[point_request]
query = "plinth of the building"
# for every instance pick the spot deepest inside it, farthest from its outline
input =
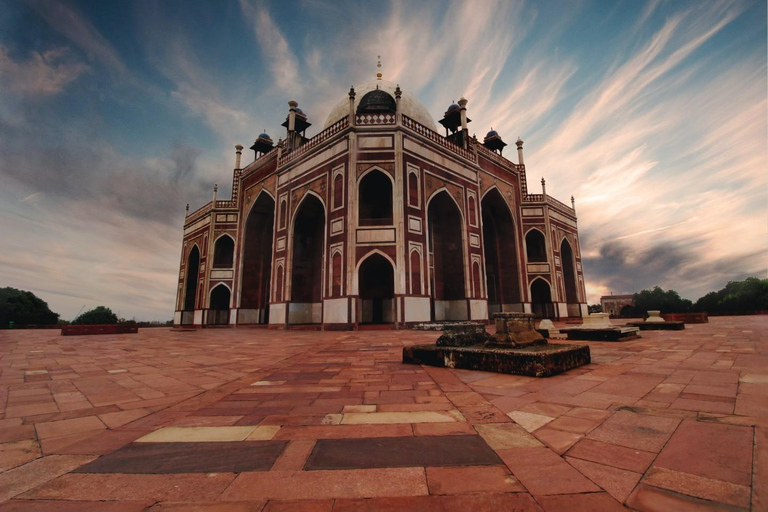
(656, 326)
(516, 348)
(601, 333)
(532, 361)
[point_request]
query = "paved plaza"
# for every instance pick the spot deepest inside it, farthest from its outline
(253, 419)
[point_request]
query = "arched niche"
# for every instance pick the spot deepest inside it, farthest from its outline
(376, 287)
(257, 261)
(218, 312)
(502, 268)
(224, 252)
(541, 299)
(536, 246)
(375, 199)
(308, 246)
(446, 247)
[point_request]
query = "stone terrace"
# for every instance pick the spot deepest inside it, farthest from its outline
(251, 420)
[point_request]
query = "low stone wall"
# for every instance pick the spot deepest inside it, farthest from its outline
(84, 330)
(688, 318)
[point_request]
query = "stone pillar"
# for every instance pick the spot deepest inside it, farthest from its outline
(519, 145)
(238, 154)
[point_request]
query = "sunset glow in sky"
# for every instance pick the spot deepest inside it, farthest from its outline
(114, 115)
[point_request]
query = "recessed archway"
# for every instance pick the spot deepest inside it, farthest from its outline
(569, 278)
(376, 286)
(541, 299)
(501, 262)
(257, 262)
(307, 262)
(536, 246)
(218, 313)
(223, 252)
(375, 200)
(446, 247)
(192, 270)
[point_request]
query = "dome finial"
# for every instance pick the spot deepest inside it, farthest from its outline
(378, 65)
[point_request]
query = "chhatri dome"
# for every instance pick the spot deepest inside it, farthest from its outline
(409, 104)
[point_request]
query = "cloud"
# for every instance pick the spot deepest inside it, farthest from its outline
(43, 74)
(71, 24)
(274, 47)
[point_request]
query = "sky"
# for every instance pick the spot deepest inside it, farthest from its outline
(114, 115)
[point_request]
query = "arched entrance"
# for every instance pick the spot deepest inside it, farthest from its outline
(541, 299)
(569, 279)
(190, 286)
(307, 262)
(218, 313)
(501, 264)
(446, 258)
(257, 262)
(376, 286)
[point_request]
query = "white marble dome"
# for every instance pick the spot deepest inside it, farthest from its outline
(409, 105)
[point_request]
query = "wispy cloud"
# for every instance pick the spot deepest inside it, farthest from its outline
(72, 25)
(274, 46)
(43, 74)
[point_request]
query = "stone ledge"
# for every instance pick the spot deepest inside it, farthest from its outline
(534, 361)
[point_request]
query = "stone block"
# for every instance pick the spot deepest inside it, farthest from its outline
(515, 330)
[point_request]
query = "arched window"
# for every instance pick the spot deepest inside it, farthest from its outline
(223, 252)
(536, 246)
(375, 199)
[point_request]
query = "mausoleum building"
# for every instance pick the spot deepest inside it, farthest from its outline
(378, 219)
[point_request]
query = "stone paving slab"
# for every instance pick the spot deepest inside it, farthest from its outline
(401, 452)
(675, 420)
(159, 458)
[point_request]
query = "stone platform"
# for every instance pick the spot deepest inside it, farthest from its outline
(658, 326)
(533, 361)
(515, 348)
(601, 333)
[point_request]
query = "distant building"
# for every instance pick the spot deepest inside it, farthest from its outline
(617, 305)
(379, 219)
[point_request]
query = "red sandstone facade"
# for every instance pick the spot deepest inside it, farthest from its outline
(379, 219)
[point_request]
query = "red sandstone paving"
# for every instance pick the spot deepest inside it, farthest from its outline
(672, 421)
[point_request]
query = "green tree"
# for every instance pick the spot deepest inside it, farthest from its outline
(737, 296)
(657, 299)
(98, 315)
(595, 308)
(23, 308)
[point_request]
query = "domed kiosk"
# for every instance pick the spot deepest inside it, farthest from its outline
(378, 219)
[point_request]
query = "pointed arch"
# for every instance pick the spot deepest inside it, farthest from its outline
(502, 261)
(307, 250)
(541, 298)
(375, 189)
(191, 274)
(376, 288)
(224, 251)
(569, 273)
(219, 301)
(447, 265)
(256, 260)
(536, 246)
